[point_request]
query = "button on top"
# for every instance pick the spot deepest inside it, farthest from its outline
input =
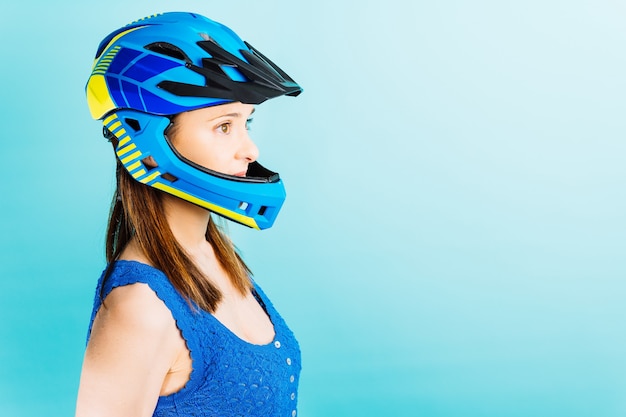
(277, 344)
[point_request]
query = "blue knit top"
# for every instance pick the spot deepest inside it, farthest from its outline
(230, 377)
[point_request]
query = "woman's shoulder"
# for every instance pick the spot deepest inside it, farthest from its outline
(132, 296)
(138, 285)
(138, 306)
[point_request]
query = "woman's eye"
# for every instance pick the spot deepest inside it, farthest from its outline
(249, 123)
(224, 128)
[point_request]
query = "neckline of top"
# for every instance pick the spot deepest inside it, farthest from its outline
(257, 295)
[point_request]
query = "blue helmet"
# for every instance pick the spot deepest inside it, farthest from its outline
(162, 65)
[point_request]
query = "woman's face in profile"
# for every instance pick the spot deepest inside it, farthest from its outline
(216, 137)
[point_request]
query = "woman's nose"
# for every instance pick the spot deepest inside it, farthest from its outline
(248, 149)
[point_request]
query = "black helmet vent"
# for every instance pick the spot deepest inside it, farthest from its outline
(168, 49)
(134, 124)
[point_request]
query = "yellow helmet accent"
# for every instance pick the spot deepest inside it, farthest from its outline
(98, 97)
(245, 220)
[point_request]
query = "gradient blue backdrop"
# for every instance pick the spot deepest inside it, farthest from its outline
(453, 239)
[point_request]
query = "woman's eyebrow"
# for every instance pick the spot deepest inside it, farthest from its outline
(232, 115)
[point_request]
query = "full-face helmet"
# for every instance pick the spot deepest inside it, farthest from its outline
(154, 68)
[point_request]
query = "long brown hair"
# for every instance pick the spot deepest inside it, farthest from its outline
(137, 212)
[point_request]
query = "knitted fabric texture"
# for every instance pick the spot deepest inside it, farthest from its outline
(230, 377)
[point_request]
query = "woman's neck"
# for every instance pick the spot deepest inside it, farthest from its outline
(188, 224)
(187, 221)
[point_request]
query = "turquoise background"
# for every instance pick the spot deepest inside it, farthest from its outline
(452, 243)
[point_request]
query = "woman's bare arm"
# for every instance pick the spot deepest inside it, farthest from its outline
(134, 342)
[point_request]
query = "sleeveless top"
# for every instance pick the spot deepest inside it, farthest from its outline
(230, 377)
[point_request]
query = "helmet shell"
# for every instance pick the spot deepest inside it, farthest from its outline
(174, 62)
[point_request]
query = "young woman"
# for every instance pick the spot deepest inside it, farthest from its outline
(178, 326)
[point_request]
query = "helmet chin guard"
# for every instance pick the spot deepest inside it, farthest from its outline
(170, 63)
(254, 200)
